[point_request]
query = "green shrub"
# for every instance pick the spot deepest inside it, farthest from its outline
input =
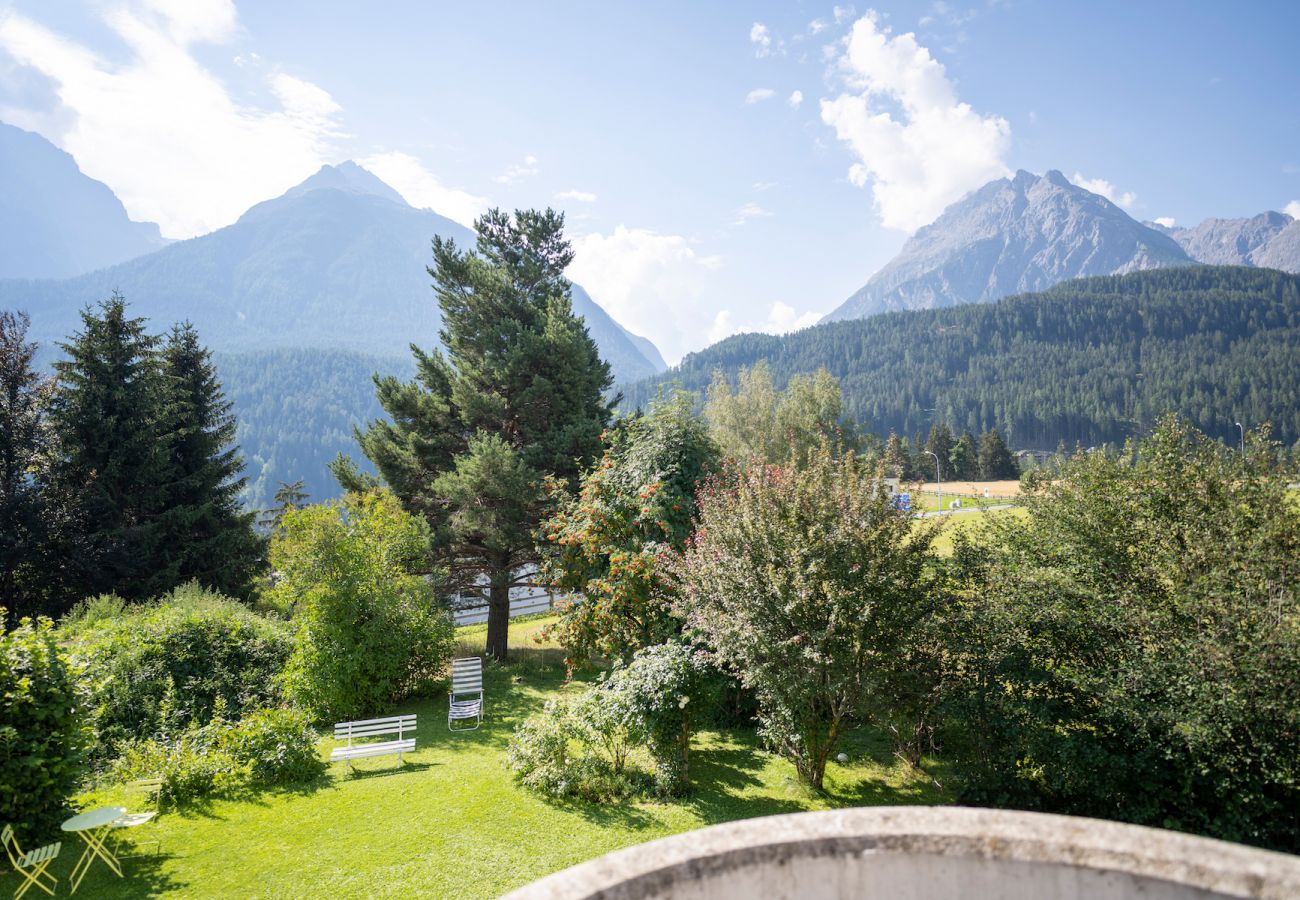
(582, 748)
(267, 748)
(205, 647)
(368, 631)
(278, 745)
(651, 698)
(43, 734)
(1132, 649)
(572, 751)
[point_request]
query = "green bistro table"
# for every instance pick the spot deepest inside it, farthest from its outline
(92, 827)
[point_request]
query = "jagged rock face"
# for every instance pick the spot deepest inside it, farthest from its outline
(1283, 251)
(1013, 235)
(1233, 242)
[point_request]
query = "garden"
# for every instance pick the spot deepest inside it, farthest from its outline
(750, 623)
(450, 821)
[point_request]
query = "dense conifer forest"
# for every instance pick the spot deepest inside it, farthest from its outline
(1089, 361)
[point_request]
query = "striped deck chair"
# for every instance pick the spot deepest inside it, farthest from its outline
(466, 693)
(31, 865)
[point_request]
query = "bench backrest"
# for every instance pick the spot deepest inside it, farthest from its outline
(467, 675)
(366, 728)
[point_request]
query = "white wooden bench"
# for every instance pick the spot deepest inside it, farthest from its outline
(369, 728)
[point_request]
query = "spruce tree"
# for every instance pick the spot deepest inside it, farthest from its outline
(25, 573)
(940, 443)
(112, 464)
(290, 495)
(996, 460)
(206, 535)
(964, 457)
(519, 395)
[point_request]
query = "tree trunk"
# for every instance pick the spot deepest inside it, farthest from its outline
(498, 630)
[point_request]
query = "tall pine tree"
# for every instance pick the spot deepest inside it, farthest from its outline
(206, 536)
(520, 394)
(106, 416)
(26, 574)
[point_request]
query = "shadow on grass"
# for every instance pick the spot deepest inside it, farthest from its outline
(393, 768)
(143, 875)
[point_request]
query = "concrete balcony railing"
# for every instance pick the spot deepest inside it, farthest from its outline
(926, 853)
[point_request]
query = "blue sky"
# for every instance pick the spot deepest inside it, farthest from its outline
(704, 194)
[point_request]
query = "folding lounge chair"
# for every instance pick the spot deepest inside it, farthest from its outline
(32, 865)
(466, 693)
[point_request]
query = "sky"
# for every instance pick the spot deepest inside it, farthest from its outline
(723, 166)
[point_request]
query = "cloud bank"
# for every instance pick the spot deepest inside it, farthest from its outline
(161, 129)
(919, 147)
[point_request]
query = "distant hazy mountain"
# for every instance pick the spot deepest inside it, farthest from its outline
(56, 222)
(302, 299)
(1269, 240)
(1013, 235)
(337, 262)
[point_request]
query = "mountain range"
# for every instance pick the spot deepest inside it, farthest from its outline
(328, 280)
(1029, 232)
(309, 293)
(1270, 240)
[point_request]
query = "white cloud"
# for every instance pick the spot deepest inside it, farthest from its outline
(796, 97)
(843, 14)
(517, 172)
(761, 38)
(781, 319)
(1124, 199)
(817, 26)
(1164, 221)
(651, 283)
(1292, 209)
(576, 196)
(421, 188)
(929, 151)
(749, 212)
(162, 130)
(758, 95)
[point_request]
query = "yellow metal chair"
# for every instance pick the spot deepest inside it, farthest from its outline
(32, 865)
(148, 789)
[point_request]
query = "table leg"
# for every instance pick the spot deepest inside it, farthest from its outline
(96, 845)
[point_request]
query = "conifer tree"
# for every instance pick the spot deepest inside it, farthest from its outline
(964, 457)
(940, 443)
(290, 495)
(25, 576)
(519, 395)
(206, 535)
(106, 416)
(996, 460)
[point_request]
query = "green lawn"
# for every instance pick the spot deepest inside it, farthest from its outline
(451, 822)
(967, 522)
(924, 501)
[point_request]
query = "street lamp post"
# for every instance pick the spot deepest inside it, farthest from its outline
(937, 480)
(1243, 438)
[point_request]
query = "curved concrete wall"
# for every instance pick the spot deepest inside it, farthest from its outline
(926, 853)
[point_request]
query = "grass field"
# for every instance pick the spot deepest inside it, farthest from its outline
(967, 522)
(451, 822)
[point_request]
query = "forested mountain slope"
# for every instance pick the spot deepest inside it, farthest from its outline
(1089, 361)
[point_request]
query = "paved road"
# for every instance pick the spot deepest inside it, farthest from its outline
(969, 509)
